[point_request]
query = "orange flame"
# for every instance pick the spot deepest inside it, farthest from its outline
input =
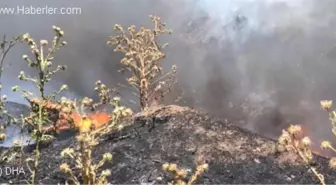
(97, 119)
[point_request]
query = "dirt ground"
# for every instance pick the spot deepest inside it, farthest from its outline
(186, 137)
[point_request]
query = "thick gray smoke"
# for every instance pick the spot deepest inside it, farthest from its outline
(262, 63)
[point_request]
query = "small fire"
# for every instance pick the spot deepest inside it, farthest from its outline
(94, 120)
(91, 121)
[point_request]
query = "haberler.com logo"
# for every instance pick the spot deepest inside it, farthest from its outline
(40, 10)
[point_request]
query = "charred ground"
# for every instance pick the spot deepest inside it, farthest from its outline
(186, 137)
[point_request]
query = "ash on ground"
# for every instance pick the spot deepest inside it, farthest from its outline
(186, 137)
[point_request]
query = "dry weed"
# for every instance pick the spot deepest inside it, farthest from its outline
(181, 176)
(142, 58)
(293, 140)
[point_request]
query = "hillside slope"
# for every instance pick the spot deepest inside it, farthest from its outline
(187, 137)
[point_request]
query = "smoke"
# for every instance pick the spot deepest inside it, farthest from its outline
(264, 64)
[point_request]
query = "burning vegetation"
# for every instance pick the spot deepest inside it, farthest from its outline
(64, 119)
(143, 57)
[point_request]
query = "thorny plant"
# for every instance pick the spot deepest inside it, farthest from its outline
(142, 58)
(42, 61)
(327, 106)
(90, 137)
(6, 118)
(181, 176)
(5, 47)
(293, 140)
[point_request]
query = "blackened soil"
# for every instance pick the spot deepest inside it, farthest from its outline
(186, 137)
